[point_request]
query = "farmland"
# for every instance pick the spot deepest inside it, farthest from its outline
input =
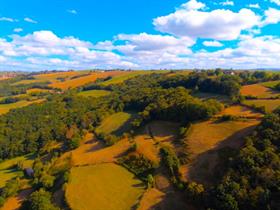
(4, 108)
(104, 186)
(259, 91)
(94, 93)
(269, 105)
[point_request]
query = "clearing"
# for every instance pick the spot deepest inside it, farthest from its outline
(104, 186)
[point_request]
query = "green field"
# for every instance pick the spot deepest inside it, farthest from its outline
(122, 78)
(270, 84)
(102, 187)
(269, 105)
(116, 123)
(94, 93)
(8, 171)
(4, 108)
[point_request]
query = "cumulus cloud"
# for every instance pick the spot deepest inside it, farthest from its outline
(193, 5)
(227, 3)
(272, 16)
(29, 20)
(256, 6)
(217, 24)
(17, 30)
(212, 44)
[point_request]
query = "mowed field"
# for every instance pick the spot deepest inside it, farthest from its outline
(94, 93)
(80, 81)
(240, 111)
(116, 123)
(8, 170)
(4, 108)
(258, 90)
(269, 104)
(103, 186)
(270, 84)
(205, 139)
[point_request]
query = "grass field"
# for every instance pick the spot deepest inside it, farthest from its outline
(7, 170)
(4, 108)
(270, 84)
(269, 105)
(94, 93)
(258, 90)
(77, 82)
(115, 123)
(128, 75)
(205, 139)
(240, 111)
(101, 187)
(207, 96)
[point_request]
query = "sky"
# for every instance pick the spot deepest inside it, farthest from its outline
(40, 35)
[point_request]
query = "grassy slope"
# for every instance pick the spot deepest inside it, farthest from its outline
(94, 93)
(115, 123)
(4, 108)
(258, 90)
(8, 172)
(270, 84)
(269, 105)
(104, 186)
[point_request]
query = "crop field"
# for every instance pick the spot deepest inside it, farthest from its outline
(8, 170)
(259, 91)
(80, 81)
(104, 186)
(37, 90)
(4, 108)
(94, 93)
(15, 202)
(115, 123)
(269, 105)
(206, 138)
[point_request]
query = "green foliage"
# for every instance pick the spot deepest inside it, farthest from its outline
(137, 164)
(41, 200)
(171, 160)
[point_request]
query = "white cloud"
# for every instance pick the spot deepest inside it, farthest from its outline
(256, 6)
(72, 11)
(17, 30)
(192, 5)
(227, 3)
(27, 19)
(217, 24)
(212, 44)
(7, 19)
(276, 2)
(272, 16)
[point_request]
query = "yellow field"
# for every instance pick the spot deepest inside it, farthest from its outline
(15, 202)
(37, 90)
(205, 139)
(269, 105)
(7, 170)
(5, 108)
(258, 90)
(73, 83)
(94, 93)
(101, 187)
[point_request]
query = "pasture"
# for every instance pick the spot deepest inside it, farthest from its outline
(269, 104)
(259, 91)
(5, 108)
(270, 84)
(94, 93)
(103, 186)
(116, 123)
(205, 139)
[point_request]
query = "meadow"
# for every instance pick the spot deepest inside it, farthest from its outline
(94, 93)
(103, 186)
(4, 108)
(259, 91)
(269, 104)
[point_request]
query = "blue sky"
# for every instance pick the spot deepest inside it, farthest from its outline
(139, 34)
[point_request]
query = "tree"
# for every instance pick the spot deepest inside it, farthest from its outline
(41, 200)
